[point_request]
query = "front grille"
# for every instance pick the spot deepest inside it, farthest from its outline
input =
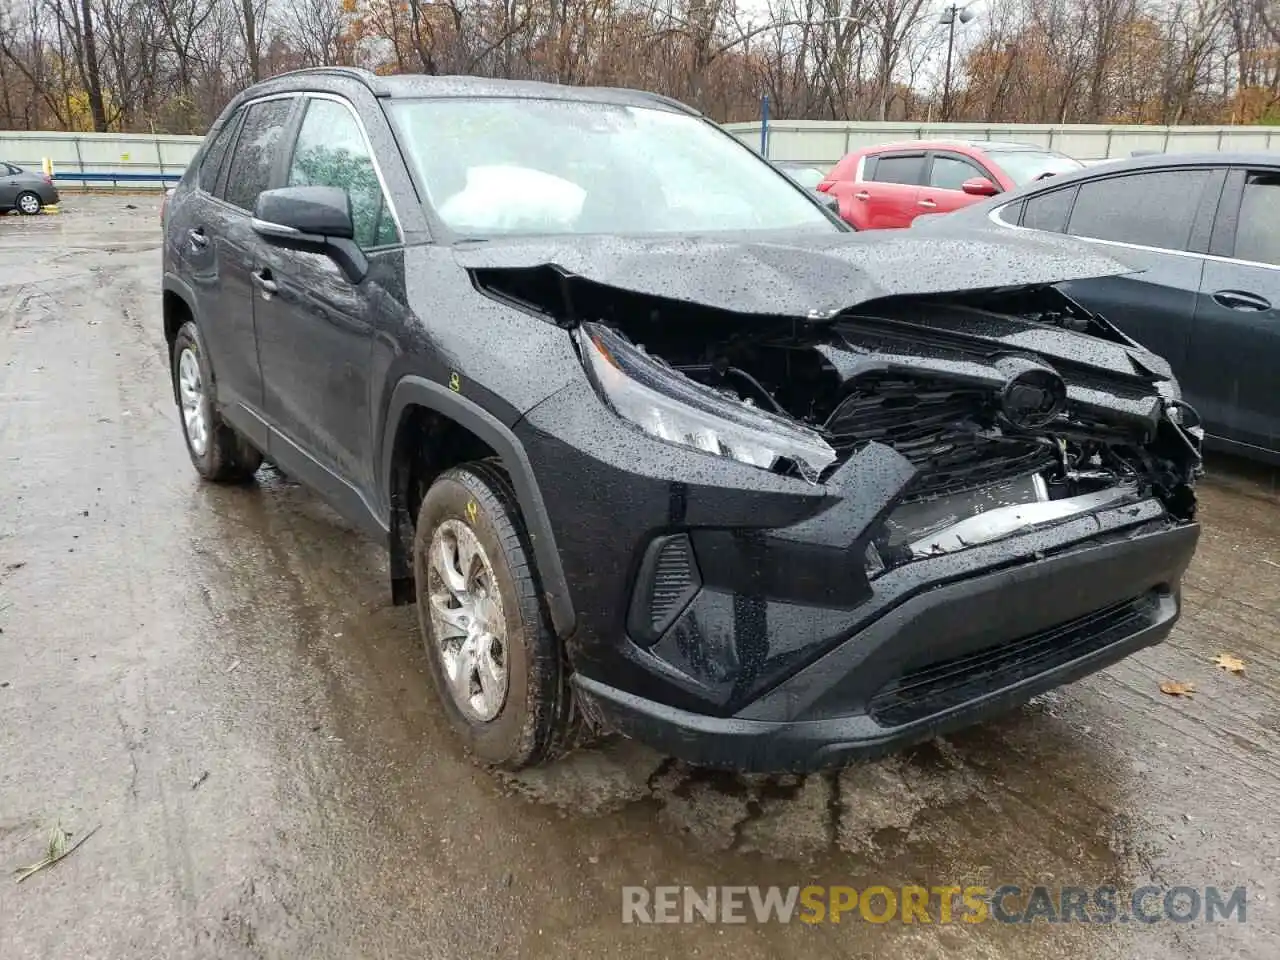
(940, 686)
(936, 426)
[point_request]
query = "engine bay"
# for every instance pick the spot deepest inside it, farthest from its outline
(979, 390)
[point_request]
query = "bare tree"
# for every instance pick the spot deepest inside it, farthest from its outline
(171, 65)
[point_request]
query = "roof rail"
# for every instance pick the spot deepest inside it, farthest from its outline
(368, 78)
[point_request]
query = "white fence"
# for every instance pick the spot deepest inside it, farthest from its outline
(814, 141)
(99, 153)
(824, 141)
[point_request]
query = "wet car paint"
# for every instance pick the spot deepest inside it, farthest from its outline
(801, 275)
(157, 629)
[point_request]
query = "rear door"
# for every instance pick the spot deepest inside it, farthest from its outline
(222, 240)
(945, 173)
(1160, 222)
(1235, 342)
(888, 190)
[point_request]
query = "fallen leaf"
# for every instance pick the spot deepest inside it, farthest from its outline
(1227, 662)
(1175, 689)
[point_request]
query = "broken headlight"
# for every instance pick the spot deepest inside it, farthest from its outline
(666, 404)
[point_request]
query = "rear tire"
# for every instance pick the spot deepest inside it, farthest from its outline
(508, 699)
(217, 451)
(28, 203)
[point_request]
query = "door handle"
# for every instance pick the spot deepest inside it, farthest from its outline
(197, 237)
(863, 195)
(1241, 300)
(262, 279)
(928, 204)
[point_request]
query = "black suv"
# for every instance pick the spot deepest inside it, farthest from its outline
(656, 444)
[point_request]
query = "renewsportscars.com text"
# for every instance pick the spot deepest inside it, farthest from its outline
(1008, 903)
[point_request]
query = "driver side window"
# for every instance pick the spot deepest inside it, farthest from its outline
(331, 152)
(950, 173)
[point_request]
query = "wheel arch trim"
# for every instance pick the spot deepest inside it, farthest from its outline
(414, 390)
(179, 288)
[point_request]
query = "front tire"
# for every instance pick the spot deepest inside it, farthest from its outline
(28, 203)
(496, 665)
(217, 451)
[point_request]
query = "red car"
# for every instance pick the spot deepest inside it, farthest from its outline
(891, 184)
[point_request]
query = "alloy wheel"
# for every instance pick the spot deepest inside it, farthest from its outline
(195, 417)
(469, 630)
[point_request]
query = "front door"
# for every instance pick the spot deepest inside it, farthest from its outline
(1235, 342)
(942, 191)
(315, 327)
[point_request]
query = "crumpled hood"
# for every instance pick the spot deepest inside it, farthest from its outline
(802, 275)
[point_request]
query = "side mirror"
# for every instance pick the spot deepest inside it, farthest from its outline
(317, 219)
(979, 187)
(831, 202)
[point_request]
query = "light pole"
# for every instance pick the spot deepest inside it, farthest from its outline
(949, 17)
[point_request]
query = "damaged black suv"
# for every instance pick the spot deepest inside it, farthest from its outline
(655, 444)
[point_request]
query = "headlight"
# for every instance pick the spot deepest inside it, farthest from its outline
(666, 404)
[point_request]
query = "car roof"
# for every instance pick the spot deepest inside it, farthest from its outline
(951, 143)
(413, 86)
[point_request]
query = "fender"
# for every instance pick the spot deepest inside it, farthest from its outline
(174, 284)
(415, 390)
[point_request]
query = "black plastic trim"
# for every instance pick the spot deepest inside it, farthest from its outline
(640, 625)
(418, 391)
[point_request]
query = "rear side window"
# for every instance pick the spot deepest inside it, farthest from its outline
(256, 150)
(1049, 211)
(1257, 236)
(895, 169)
(1151, 209)
(211, 164)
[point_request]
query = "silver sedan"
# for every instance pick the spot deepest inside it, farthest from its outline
(26, 191)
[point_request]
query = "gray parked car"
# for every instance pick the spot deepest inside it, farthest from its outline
(25, 190)
(1203, 233)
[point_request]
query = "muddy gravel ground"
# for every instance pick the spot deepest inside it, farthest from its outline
(215, 680)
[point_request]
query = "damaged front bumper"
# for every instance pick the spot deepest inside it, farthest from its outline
(735, 617)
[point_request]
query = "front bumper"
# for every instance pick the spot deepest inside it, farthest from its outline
(941, 660)
(767, 641)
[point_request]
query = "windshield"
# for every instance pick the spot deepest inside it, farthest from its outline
(518, 166)
(1025, 166)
